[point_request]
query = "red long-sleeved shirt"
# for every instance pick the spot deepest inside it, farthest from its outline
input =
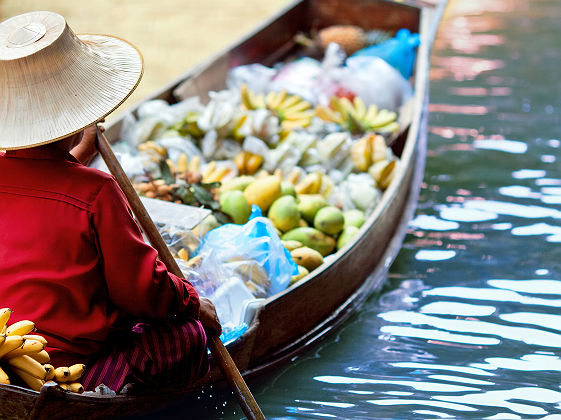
(72, 258)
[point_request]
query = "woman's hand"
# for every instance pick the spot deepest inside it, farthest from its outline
(86, 150)
(208, 317)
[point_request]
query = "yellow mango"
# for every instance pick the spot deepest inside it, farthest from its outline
(263, 191)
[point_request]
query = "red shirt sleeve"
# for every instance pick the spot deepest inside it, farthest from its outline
(137, 282)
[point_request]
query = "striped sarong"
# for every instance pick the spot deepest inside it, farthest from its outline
(155, 356)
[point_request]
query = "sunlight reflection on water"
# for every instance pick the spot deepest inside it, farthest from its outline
(466, 329)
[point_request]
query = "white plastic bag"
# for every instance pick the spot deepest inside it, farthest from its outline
(376, 82)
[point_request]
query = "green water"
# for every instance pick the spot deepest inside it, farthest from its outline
(468, 325)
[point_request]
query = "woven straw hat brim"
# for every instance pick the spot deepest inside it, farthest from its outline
(44, 99)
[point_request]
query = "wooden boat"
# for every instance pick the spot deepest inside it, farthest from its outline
(295, 319)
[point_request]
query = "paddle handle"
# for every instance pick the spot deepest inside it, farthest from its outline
(227, 365)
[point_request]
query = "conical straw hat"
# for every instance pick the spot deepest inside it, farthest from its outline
(54, 83)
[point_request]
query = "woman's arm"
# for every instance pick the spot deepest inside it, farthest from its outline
(86, 150)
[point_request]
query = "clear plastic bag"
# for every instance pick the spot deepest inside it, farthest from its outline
(256, 76)
(376, 82)
(252, 252)
(235, 267)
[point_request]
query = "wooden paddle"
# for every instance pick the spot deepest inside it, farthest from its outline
(219, 352)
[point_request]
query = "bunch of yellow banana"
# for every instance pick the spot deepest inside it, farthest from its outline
(66, 377)
(369, 149)
(248, 163)
(184, 164)
(251, 100)
(383, 172)
(315, 183)
(157, 152)
(356, 117)
(192, 171)
(24, 354)
(292, 110)
(214, 173)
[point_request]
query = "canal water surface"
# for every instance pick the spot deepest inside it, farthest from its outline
(469, 324)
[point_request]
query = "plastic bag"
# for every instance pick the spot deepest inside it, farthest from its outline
(376, 82)
(256, 76)
(398, 51)
(252, 252)
(299, 78)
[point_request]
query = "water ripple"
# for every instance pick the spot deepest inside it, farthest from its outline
(528, 363)
(438, 335)
(509, 146)
(543, 320)
(449, 406)
(417, 385)
(501, 399)
(513, 209)
(527, 335)
(434, 366)
(476, 293)
(538, 286)
(456, 308)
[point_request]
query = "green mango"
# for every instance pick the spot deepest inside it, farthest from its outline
(210, 222)
(329, 220)
(309, 204)
(234, 204)
(312, 238)
(287, 189)
(348, 233)
(354, 217)
(239, 183)
(302, 272)
(284, 213)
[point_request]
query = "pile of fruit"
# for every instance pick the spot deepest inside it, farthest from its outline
(23, 358)
(315, 171)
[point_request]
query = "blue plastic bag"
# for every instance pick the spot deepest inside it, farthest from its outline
(398, 51)
(230, 247)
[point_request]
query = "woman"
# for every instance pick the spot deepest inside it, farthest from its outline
(72, 258)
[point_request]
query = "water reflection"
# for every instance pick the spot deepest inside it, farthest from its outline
(538, 286)
(490, 294)
(527, 335)
(502, 399)
(509, 146)
(458, 309)
(527, 362)
(470, 326)
(419, 386)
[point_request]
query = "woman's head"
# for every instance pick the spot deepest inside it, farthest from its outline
(54, 83)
